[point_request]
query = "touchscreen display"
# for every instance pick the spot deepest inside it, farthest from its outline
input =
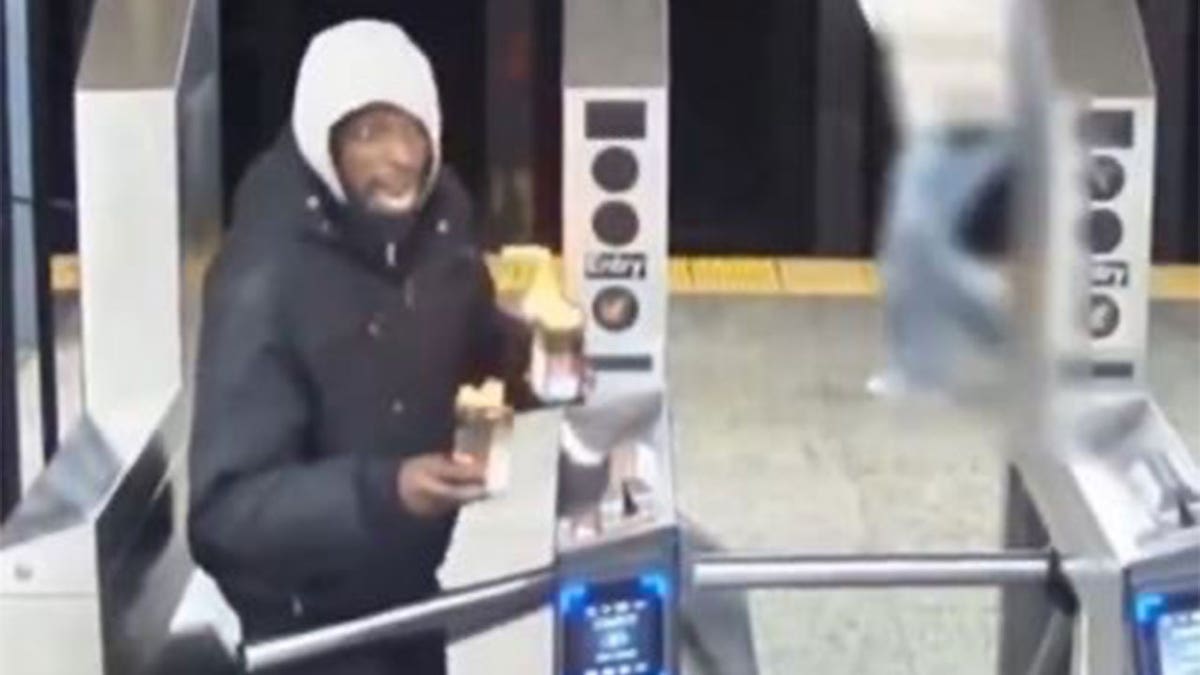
(1169, 633)
(615, 628)
(1179, 642)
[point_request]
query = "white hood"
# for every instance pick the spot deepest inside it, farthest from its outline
(349, 67)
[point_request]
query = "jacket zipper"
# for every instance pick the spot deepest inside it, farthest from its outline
(410, 294)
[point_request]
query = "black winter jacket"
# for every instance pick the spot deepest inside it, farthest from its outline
(326, 362)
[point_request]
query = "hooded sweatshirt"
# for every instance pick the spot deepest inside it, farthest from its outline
(346, 69)
(331, 353)
(350, 67)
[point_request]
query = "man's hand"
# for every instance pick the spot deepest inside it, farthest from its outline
(435, 485)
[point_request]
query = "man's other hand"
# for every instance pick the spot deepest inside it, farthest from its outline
(435, 485)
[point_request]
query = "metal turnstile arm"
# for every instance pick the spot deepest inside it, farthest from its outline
(870, 571)
(508, 597)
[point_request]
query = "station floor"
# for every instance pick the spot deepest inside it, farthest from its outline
(780, 448)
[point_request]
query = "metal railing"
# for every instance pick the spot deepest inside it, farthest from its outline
(508, 597)
(512, 596)
(870, 571)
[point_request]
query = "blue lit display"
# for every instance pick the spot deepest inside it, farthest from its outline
(615, 628)
(1168, 632)
(657, 583)
(1148, 606)
(571, 596)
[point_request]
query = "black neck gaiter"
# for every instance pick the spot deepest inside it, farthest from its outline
(391, 241)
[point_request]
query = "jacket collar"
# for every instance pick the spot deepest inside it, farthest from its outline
(387, 245)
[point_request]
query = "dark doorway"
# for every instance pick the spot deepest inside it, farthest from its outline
(57, 33)
(547, 114)
(741, 109)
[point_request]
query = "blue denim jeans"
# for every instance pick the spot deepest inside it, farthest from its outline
(940, 297)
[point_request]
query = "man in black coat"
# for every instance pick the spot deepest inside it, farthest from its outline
(348, 305)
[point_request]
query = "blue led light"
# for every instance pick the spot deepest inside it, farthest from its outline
(570, 596)
(657, 583)
(1148, 606)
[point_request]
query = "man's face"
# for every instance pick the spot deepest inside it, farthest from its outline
(382, 155)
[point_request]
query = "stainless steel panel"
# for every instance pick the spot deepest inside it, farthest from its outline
(1099, 55)
(135, 44)
(107, 529)
(615, 43)
(198, 100)
(132, 349)
(717, 631)
(1025, 612)
(615, 100)
(1053, 655)
(69, 492)
(147, 132)
(632, 356)
(16, 61)
(1099, 48)
(1101, 468)
(10, 455)
(93, 531)
(143, 563)
(24, 298)
(615, 472)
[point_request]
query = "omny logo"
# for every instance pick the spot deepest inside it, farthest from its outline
(1110, 274)
(615, 266)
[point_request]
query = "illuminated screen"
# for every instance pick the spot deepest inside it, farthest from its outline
(1179, 643)
(1169, 632)
(615, 628)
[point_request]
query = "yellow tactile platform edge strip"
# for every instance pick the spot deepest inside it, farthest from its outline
(1175, 282)
(804, 277)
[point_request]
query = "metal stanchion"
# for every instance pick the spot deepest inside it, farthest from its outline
(1054, 653)
(1025, 612)
(717, 632)
(10, 455)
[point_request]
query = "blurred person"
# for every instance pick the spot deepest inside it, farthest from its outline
(348, 305)
(950, 68)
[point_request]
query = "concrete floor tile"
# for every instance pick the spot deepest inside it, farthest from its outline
(851, 633)
(950, 640)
